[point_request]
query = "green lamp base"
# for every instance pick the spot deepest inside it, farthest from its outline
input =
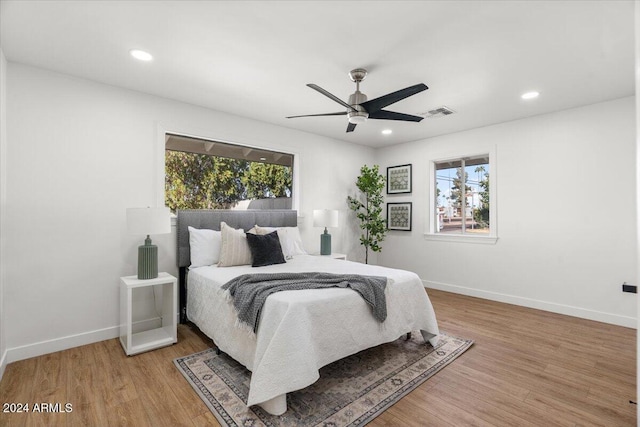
(325, 243)
(147, 260)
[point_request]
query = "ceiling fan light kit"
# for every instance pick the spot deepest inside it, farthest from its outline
(358, 118)
(359, 109)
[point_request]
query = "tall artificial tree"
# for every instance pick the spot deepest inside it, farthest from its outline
(368, 208)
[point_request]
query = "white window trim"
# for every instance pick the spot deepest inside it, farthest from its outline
(461, 238)
(430, 225)
(162, 130)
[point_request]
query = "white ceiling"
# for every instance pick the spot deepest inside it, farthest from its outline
(254, 59)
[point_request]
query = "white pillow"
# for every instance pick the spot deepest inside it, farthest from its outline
(290, 239)
(235, 249)
(204, 246)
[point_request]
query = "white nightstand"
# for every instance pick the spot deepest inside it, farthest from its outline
(167, 333)
(334, 255)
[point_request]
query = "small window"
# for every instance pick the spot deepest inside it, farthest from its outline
(462, 201)
(203, 174)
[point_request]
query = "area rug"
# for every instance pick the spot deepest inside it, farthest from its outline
(350, 392)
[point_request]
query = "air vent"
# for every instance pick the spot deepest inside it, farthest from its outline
(437, 113)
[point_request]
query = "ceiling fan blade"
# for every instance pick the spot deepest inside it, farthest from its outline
(351, 127)
(381, 102)
(331, 96)
(392, 115)
(341, 113)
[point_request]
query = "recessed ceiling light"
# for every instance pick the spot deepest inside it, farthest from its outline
(530, 95)
(141, 55)
(387, 132)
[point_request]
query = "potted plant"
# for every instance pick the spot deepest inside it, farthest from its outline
(368, 208)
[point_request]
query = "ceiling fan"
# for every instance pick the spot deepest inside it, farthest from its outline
(359, 109)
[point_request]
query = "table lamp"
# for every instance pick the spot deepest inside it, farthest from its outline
(325, 218)
(148, 221)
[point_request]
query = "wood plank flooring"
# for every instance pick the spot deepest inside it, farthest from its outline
(526, 368)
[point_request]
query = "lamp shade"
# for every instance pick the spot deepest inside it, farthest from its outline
(148, 221)
(325, 218)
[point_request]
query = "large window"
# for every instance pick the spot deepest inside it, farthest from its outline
(462, 204)
(203, 174)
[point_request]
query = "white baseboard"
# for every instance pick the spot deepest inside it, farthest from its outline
(145, 325)
(64, 343)
(59, 344)
(3, 364)
(599, 316)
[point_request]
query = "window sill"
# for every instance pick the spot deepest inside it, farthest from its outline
(462, 238)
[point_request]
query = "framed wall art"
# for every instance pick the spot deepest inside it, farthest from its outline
(399, 216)
(399, 179)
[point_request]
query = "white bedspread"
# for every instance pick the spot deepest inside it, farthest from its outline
(301, 331)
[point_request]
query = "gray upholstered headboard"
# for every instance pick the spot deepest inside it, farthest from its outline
(211, 219)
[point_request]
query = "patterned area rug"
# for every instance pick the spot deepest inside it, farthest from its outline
(350, 392)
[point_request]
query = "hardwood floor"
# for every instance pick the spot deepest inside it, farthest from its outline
(526, 368)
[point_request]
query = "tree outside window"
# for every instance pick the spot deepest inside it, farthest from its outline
(462, 196)
(195, 179)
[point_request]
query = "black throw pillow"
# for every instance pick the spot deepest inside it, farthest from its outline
(265, 249)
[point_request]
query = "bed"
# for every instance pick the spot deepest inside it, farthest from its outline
(300, 331)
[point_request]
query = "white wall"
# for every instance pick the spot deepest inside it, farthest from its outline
(81, 153)
(566, 214)
(3, 183)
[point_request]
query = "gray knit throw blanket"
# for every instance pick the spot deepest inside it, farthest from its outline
(250, 291)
